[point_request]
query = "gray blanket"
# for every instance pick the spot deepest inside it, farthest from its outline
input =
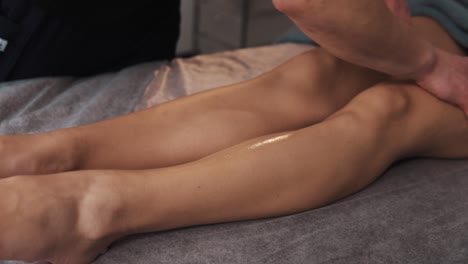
(416, 213)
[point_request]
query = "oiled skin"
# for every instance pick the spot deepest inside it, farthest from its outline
(281, 163)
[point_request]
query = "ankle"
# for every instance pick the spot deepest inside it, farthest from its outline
(121, 203)
(115, 205)
(101, 206)
(61, 152)
(34, 154)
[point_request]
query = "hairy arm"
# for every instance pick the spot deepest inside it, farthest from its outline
(377, 34)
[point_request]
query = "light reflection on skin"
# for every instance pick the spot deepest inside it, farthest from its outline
(269, 141)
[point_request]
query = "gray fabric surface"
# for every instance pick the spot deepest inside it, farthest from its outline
(51, 103)
(416, 213)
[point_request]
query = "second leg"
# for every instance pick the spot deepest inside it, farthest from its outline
(301, 92)
(269, 176)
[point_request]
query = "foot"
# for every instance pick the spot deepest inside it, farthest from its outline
(35, 154)
(448, 79)
(44, 219)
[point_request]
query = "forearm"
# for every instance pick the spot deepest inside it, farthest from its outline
(364, 32)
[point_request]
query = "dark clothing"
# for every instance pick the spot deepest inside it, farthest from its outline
(84, 37)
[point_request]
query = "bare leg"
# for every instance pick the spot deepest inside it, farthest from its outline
(290, 167)
(295, 171)
(379, 40)
(269, 176)
(303, 91)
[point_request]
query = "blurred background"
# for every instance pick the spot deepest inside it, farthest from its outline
(216, 25)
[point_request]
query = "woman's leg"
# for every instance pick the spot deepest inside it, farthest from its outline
(270, 176)
(292, 171)
(70, 218)
(301, 92)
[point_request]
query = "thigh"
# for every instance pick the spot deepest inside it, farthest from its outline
(435, 33)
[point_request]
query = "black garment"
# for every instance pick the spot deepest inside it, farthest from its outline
(84, 37)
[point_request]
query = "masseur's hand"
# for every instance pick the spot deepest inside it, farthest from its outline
(41, 220)
(448, 79)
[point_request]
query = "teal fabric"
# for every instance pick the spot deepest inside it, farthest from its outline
(452, 14)
(295, 35)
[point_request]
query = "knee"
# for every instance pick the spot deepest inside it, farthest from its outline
(304, 86)
(381, 105)
(375, 114)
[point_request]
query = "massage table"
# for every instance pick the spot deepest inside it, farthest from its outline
(417, 212)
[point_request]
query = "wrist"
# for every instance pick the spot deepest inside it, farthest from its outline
(54, 152)
(429, 63)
